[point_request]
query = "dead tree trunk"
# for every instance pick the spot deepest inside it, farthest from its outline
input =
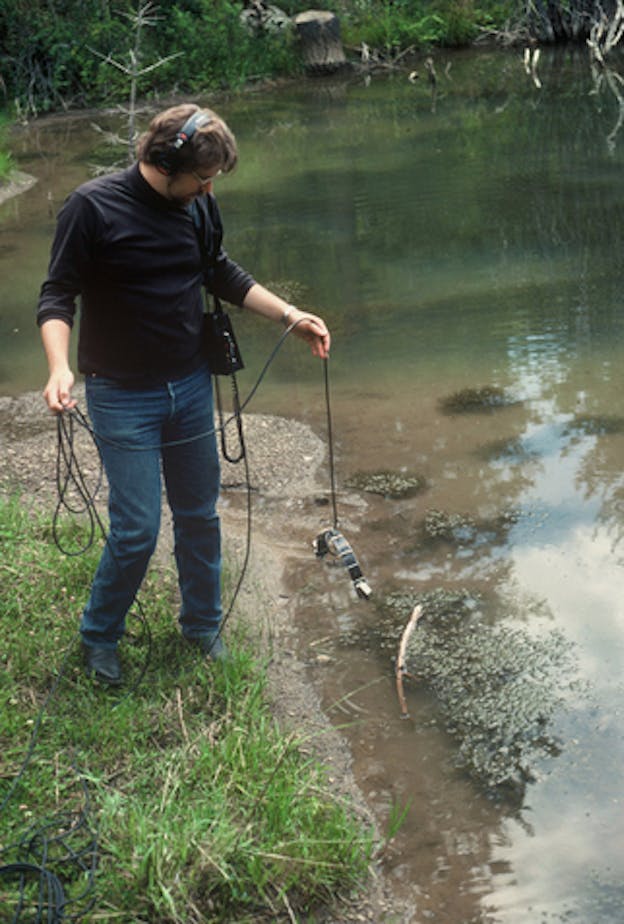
(321, 45)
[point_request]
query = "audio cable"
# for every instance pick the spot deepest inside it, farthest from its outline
(32, 856)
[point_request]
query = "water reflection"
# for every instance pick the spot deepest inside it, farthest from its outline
(477, 246)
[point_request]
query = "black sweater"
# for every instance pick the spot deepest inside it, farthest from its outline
(134, 258)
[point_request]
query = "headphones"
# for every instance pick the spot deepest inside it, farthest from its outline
(168, 160)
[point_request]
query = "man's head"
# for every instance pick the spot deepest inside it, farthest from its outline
(187, 144)
(210, 146)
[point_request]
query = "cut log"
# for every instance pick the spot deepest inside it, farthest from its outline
(321, 46)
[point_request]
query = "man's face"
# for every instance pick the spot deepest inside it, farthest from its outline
(182, 188)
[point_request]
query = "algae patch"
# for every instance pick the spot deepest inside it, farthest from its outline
(439, 524)
(477, 400)
(462, 529)
(498, 687)
(389, 484)
(595, 425)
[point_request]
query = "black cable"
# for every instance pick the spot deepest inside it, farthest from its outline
(237, 415)
(51, 842)
(243, 571)
(330, 439)
(192, 439)
(68, 474)
(74, 476)
(332, 540)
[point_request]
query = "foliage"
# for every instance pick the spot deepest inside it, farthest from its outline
(204, 808)
(392, 25)
(7, 164)
(218, 51)
(44, 68)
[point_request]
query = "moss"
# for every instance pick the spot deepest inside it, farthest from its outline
(452, 526)
(388, 483)
(595, 425)
(506, 450)
(497, 687)
(477, 400)
(464, 529)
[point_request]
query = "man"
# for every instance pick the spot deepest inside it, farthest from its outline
(128, 245)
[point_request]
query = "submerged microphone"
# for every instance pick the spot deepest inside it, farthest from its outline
(330, 540)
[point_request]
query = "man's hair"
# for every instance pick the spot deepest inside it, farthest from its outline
(212, 145)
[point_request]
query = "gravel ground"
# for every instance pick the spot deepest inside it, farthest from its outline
(284, 459)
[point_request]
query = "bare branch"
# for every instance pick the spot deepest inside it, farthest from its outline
(159, 63)
(400, 663)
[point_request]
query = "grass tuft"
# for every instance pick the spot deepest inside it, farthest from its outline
(178, 798)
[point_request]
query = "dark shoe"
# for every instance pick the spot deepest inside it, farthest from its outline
(102, 664)
(211, 645)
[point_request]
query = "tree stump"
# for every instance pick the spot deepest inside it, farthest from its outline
(321, 45)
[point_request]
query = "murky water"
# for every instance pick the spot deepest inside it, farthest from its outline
(465, 242)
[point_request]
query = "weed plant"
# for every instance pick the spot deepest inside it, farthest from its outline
(177, 798)
(7, 163)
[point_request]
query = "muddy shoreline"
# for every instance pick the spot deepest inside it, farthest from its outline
(284, 459)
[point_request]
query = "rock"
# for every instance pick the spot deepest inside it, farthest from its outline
(265, 17)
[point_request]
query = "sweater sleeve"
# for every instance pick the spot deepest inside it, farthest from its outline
(70, 259)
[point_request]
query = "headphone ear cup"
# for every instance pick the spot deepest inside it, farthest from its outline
(164, 163)
(167, 161)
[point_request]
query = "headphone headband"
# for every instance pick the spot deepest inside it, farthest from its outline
(169, 160)
(197, 120)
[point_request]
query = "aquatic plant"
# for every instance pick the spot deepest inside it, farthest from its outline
(452, 526)
(508, 450)
(477, 400)
(387, 483)
(461, 528)
(595, 425)
(497, 687)
(7, 165)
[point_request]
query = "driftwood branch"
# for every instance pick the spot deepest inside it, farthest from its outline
(531, 58)
(606, 32)
(372, 59)
(401, 673)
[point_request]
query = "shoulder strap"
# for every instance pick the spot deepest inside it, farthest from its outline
(198, 223)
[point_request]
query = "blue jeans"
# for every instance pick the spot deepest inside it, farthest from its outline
(141, 433)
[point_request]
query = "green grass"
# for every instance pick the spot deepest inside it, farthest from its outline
(7, 163)
(7, 166)
(201, 807)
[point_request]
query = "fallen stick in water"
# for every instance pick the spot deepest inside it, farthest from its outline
(400, 663)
